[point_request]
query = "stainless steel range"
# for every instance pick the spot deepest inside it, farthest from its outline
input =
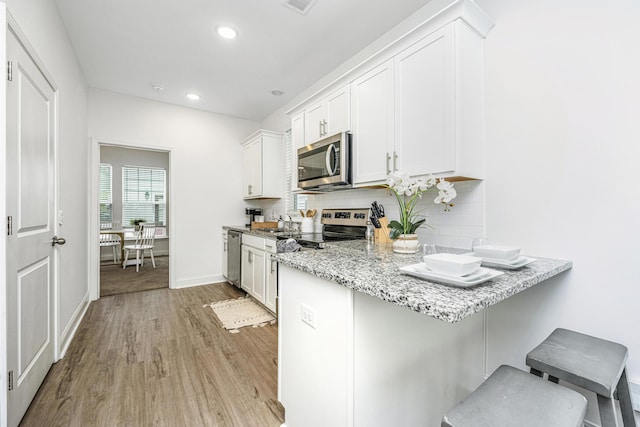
(338, 224)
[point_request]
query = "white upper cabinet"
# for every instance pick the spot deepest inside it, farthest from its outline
(416, 105)
(424, 106)
(262, 166)
(372, 119)
(328, 116)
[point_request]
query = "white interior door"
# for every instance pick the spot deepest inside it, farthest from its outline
(30, 203)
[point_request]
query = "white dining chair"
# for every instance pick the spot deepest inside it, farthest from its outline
(144, 241)
(110, 240)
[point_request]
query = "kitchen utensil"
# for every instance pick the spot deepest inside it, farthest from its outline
(381, 210)
(375, 222)
(313, 212)
(309, 213)
(375, 210)
(301, 213)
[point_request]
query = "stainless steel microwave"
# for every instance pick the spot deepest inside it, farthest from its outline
(326, 164)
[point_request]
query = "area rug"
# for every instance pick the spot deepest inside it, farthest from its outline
(240, 312)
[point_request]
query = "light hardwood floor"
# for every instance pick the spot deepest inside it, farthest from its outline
(159, 358)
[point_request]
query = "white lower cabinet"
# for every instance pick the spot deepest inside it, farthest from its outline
(259, 277)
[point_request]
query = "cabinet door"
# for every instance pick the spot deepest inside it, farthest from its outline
(271, 291)
(372, 124)
(338, 117)
(259, 277)
(424, 104)
(252, 169)
(297, 141)
(256, 168)
(247, 172)
(314, 122)
(246, 275)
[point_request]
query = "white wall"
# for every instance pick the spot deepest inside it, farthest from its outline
(562, 94)
(40, 22)
(206, 165)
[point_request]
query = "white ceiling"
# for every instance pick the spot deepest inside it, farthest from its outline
(126, 45)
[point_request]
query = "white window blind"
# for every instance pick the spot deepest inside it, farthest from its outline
(106, 193)
(288, 161)
(294, 202)
(144, 195)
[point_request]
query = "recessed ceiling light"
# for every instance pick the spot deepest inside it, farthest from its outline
(277, 92)
(193, 96)
(157, 87)
(227, 32)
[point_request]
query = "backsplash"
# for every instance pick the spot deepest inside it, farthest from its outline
(455, 228)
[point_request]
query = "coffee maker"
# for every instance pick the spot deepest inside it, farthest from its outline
(251, 215)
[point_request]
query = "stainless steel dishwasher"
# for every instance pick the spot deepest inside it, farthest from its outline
(234, 257)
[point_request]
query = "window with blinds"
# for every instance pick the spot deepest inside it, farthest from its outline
(144, 195)
(293, 201)
(106, 193)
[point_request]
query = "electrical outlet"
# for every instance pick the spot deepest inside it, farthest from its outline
(308, 315)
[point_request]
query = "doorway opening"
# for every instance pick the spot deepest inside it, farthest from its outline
(133, 199)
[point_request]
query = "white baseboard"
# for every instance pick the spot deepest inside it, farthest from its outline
(70, 330)
(198, 281)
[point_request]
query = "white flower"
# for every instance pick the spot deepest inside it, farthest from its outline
(446, 192)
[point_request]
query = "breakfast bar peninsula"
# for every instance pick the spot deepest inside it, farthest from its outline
(362, 344)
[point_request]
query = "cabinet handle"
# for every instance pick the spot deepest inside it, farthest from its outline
(320, 128)
(395, 161)
(324, 127)
(250, 257)
(273, 269)
(388, 159)
(249, 189)
(225, 246)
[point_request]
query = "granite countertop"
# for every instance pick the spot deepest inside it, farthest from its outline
(256, 232)
(376, 272)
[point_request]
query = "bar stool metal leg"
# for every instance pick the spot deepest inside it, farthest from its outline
(624, 396)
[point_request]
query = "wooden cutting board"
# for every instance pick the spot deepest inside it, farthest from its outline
(259, 225)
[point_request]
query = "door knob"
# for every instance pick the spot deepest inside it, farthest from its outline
(58, 241)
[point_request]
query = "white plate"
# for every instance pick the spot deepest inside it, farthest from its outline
(480, 276)
(513, 264)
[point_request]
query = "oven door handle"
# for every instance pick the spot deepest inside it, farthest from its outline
(331, 171)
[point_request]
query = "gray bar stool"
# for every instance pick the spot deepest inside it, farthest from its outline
(591, 363)
(511, 397)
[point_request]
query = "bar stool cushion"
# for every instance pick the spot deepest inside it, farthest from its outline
(591, 363)
(511, 397)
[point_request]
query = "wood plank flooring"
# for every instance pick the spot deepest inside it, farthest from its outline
(158, 358)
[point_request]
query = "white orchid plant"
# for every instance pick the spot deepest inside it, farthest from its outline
(408, 191)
